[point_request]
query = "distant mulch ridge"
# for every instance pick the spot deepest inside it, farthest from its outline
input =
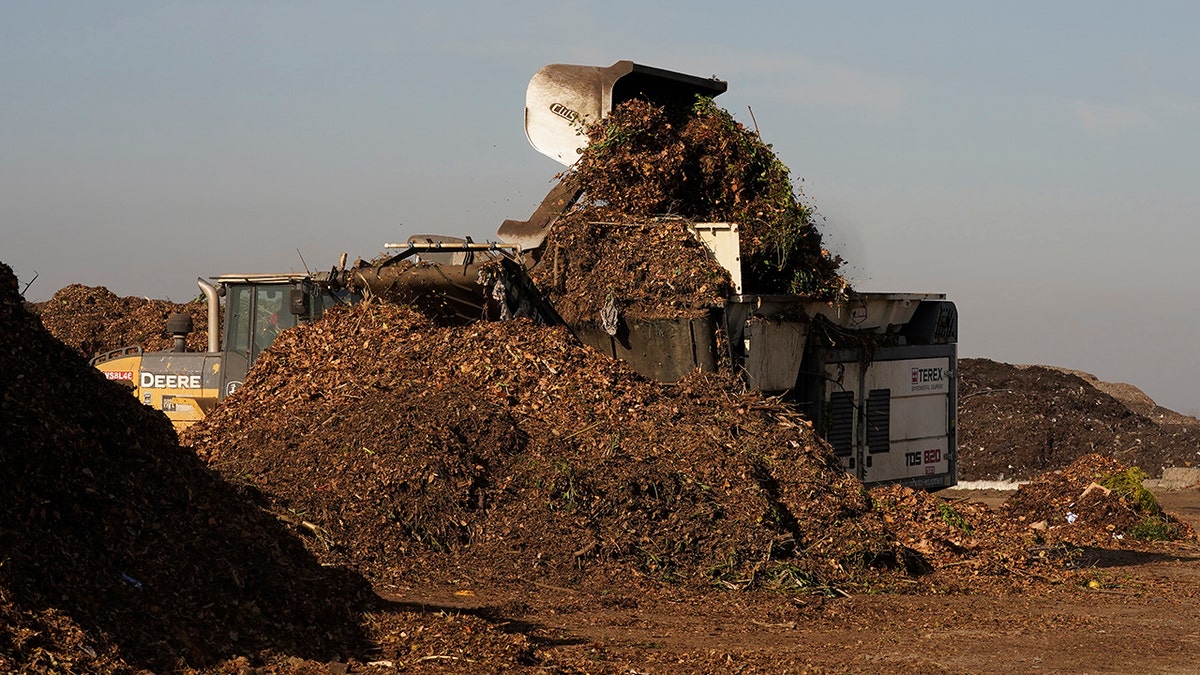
(92, 320)
(1131, 396)
(1016, 422)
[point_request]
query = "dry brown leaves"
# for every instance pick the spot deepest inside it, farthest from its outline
(1074, 505)
(969, 547)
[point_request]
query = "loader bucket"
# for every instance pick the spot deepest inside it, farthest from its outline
(561, 99)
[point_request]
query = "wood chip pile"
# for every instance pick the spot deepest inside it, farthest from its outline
(969, 546)
(519, 452)
(93, 319)
(647, 173)
(1016, 422)
(1094, 501)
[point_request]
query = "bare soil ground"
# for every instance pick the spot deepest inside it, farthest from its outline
(1144, 617)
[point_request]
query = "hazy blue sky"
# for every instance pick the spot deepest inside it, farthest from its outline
(1037, 161)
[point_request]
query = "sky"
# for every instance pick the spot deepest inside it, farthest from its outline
(1035, 161)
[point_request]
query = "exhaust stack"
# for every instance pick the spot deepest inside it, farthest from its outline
(214, 316)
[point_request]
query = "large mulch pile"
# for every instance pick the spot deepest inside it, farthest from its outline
(513, 451)
(92, 320)
(1016, 422)
(648, 172)
(123, 552)
(506, 452)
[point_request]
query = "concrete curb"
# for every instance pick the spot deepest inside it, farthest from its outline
(1175, 478)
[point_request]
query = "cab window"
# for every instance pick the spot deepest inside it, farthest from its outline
(238, 337)
(271, 315)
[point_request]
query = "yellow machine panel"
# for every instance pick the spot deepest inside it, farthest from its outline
(183, 385)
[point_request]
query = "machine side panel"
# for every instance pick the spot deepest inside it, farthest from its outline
(918, 382)
(184, 385)
(839, 413)
(773, 353)
(904, 413)
(122, 369)
(664, 349)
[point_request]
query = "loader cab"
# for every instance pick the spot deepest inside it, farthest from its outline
(257, 309)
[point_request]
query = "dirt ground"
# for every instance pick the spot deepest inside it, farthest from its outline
(1144, 618)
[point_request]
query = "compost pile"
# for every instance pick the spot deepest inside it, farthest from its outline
(647, 174)
(1016, 422)
(508, 451)
(124, 553)
(93, 320)
(1094, 501)
(969, 546)
(1035, 536)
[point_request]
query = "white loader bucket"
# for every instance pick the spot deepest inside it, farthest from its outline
(561, 99)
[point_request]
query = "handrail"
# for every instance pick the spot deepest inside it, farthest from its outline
(132, 350)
